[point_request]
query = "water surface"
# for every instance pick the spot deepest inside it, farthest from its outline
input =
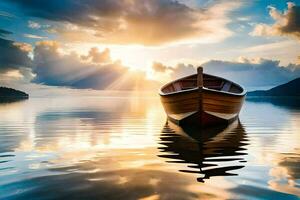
(121, 147)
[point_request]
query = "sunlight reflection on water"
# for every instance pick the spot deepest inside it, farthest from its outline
(121, 147)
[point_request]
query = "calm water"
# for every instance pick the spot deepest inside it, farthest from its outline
(122, 148)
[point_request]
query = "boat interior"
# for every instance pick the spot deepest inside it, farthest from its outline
(210, 82)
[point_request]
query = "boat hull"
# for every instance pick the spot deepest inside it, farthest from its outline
(202, 107)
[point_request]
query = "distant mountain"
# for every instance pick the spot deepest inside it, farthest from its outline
(291, 88)
(9, 94)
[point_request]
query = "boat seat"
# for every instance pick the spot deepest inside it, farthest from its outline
(226, 87)
(188, 88)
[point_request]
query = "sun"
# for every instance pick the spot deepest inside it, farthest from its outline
(134, 57)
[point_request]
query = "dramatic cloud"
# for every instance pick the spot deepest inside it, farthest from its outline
(51, 65)
(13, 54)
(14, 60)
(250, 73)
(95, 70)
(134, 21)
(287, 23)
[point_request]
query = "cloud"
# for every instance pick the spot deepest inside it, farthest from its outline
(34, 36)
(96, 56)
(13, 55)
(180, 70)
(286, 23)
(34, 25)
(51, 65)
(95, 70)
(159, 67)
(6, 15)
(254, 72)
(4, 33)
(248, 72)
(14, 61)
(143, 22)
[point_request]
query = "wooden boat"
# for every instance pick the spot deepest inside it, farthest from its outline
(202, 100)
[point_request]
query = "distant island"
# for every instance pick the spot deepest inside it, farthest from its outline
(10, 95)
(291, 88)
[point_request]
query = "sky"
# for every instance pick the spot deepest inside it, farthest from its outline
(142, 44)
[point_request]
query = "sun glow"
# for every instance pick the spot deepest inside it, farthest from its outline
(138, 59)
(132, 56)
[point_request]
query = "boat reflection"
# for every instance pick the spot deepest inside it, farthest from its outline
(208, 152)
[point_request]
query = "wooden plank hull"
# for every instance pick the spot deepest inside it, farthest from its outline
(204, 108)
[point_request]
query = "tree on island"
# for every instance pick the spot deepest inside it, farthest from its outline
(9, 94)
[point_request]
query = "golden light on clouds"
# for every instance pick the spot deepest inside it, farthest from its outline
(23, 46)
(286, 23)
(151, 23)
(14, 74)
